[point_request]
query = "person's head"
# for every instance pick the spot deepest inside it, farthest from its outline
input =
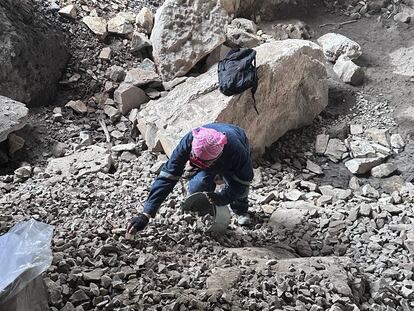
(207, 146)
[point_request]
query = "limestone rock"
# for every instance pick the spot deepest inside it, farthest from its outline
(184, 32)
(397, 141)
(402, 17)
(128, 97)
(237, 37)
(335, 150)
(14, 143)
(383, 170)
(139, 41)
(90, 160)
(362, 149)
(334, 45)
(120, 25)
(78, 106)
(13, 116)
(145, 20)
(286, 218)
(313, 167)
(139, 77)
(245, 24)
(97, 25)
(348, 72)
(33, 55)
(23, 172)
(105, 53)
(293, 100)
(116, 73)
(68, 11)
(321, 143)
(381, 136)
(364, 165)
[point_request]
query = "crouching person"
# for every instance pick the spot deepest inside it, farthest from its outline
(211, 150)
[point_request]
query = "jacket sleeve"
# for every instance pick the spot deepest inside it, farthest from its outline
(237, 185)
(169, 176)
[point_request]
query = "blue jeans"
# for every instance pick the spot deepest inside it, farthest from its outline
(203, 181)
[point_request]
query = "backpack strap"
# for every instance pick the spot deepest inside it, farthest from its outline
(254, 88)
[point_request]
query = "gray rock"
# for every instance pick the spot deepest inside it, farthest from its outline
(321, 143)
(364, 165)
(381, 136)
(383, 170)
(78, 297)
(286, 218)
(68, 11)
(13, 116)
(139, 41)
(335, 150)
(397, 142)
(116, 73)
(362, 149)
(139, 77)
(313, 167)
(93, 276)
(349, 72)
(402, 17)
(145, 20)
(98, 25)
(77, 106)
(121, 24)
(335, 45)
(128, 97)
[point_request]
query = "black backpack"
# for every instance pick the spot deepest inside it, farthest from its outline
(237, 72)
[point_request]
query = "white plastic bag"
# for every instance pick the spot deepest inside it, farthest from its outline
(24, 254)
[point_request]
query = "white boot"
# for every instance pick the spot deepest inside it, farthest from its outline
(244, 219)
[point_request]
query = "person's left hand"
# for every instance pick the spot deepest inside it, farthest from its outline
(137, 223)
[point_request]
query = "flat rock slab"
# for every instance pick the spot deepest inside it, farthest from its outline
(13, 116)
(90, 160)
(292, 91)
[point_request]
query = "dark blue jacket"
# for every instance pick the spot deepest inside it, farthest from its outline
(234, 164)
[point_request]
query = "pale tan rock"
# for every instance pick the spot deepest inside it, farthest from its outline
(13, 116)
(381, 136)
(383, 170)
(334, 45)
(77, 106)
(128, 97)
(363, 166)
(321, 143)
(184, 32)
(68, 11)
(145, 20)
(97, 25)
(397, 141)
(349, 72)
(139, 41)
(120, 24)
(105, 53)
(237, 37)
(139, 77)
(231, 6)
(335, 150)
(285, 99)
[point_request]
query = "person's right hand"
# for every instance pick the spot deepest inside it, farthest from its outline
(137, 223)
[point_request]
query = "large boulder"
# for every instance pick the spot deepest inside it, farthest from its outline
(184, 32)
(32, 54)
(292, 91)
(13, 116)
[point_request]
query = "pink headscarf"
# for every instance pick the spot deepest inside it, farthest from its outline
(207, 143)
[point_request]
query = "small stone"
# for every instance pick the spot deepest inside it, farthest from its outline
(397, 142)
(105, 53)
(363, 165)
(97, 25)
(354, 183)
(139, 77)
(129, 97)
(293, 195)
(113, 113)
(139, 41)
(93, 276)
(23, 172)
(321, 143)
(335, 150)
(369, 191)
(59, 149)
(402, 17)
(68, 11)
(381, 136)
(120, 25)
(383, 170)
(356, 129)
(14, 143)
(324, 200)
(313, 167)
(145, 20)
(349, 72)
(124, 147)
(86, 139)
(116, 73)
(77, 106)
(365, 210)
(78, 296)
